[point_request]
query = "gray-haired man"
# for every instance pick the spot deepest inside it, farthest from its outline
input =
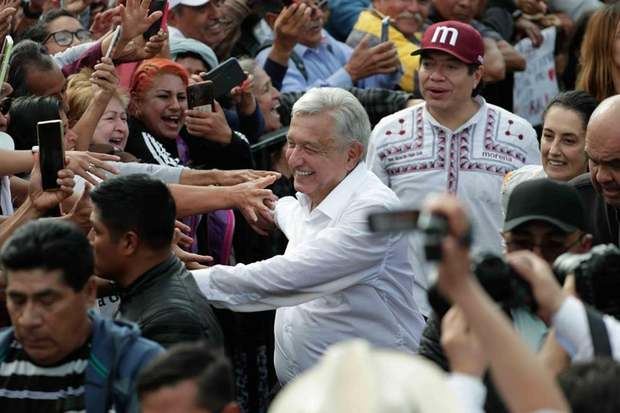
(336, 280)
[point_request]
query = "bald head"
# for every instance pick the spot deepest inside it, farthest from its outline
(603, 149)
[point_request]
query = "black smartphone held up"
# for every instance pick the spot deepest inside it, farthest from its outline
(394, 221)
(156, 5)
(385, 29)
(51, 152)
(200, 96)
(225, 77)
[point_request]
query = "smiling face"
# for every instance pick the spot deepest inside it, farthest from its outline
(268, 99)
(562, 144)
(112, 127)
(162, 107)
(202, 23)
(445, 81)
(311, 35)
(407, 15)
(49, 317)
(318, 161)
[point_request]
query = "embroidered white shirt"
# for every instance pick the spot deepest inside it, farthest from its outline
(335, 281)
(415, 155)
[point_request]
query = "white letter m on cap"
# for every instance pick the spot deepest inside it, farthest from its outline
(442, 33)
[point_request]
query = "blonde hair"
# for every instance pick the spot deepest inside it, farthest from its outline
(80, 93)
(595, 76)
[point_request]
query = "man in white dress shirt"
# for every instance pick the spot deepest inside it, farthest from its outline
(336, 279)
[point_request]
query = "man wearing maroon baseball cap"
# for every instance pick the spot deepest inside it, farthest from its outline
(453, 142)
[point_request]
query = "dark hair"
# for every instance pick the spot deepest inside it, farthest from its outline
(261, 8)
(51, 245)
(183, 55)
(38, 32)
(471, 69)
(191, 361)
(576, 100)
(24, 114)
(27, 54)
(592, 386)
(137, 203)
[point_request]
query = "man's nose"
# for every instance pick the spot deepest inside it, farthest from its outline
(30, 317)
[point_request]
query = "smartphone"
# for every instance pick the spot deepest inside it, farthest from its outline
(7, 49)
(115, 36)
(200, 96)
(385, 29)
(394, 221)
(225, 77)
(156, 5)
(51, 152)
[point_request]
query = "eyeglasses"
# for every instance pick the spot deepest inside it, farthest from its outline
(550, 249)
(65, 37)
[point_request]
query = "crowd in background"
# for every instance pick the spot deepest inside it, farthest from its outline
(226, 259)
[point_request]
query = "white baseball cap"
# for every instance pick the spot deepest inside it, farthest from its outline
(192, 3)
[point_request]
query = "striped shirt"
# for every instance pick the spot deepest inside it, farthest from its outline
(27, 387)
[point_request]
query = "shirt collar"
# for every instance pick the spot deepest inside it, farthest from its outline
(339, 197)
(465, 125)
(301, 49)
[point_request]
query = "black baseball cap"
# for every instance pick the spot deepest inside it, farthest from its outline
(545, 200)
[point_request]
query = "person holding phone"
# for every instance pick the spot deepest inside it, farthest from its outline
(320, 60)
(406, 22)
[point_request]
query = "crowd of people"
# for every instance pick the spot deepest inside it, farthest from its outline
(360, 223)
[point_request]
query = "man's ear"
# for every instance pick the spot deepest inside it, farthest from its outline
(354, 154)
(90, 290)
(128, 243)
(270, 18)
(586, 243)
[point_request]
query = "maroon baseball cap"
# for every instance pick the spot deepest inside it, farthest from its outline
(456, 38)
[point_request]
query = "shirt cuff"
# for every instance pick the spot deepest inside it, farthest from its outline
(469, 390)
(572, 330)
(340, 78)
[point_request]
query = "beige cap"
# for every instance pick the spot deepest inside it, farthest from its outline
(353, 377)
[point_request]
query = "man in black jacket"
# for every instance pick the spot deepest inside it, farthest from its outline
(600, 189)
(133, 226)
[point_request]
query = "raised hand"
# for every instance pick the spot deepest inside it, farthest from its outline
(239, 176)
(42, 200)
(461, 345)
(105, 21)
(251, 198)
(367, 61)
(104, 78)
(209, 125)
(87, 164)
(287, 29)
(135, 18)
(81, 210)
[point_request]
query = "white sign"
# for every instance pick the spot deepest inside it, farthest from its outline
(538, 84)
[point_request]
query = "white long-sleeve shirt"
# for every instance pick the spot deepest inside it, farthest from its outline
(573, 331)
(335, 281)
